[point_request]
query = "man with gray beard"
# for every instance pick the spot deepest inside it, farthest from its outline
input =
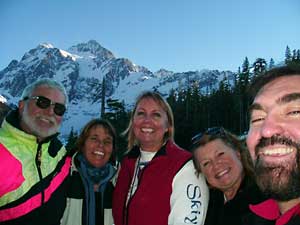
(33, 163)
(274, 144)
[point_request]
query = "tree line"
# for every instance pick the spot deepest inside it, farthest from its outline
(195, 111)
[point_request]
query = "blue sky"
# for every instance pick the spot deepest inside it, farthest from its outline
(178, 35)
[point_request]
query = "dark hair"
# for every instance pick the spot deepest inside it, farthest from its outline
(94, 123)
(229, 139)
(155, 96)
(260, 81)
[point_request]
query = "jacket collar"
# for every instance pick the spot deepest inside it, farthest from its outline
(13, 118)
(135, 151)
(269, 210)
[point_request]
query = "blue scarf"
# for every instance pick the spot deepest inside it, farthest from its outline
(91, 176)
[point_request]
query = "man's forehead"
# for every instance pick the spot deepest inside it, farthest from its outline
(286, 98)
(281, 85)
(46, 89)
(282, 90)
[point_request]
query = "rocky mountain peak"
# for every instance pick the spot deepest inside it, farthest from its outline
(82, 69)
(92, 47)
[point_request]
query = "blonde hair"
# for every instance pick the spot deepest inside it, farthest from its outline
(132, 141)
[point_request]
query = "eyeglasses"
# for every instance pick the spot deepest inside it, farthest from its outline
(212, 131)
(44, 103)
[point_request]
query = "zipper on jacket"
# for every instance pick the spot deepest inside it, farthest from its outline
(127, 206)
(38, 160)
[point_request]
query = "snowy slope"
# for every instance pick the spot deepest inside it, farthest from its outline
(81, 69)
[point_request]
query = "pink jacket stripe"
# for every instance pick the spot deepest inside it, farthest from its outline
(35, 201)
(10, 176)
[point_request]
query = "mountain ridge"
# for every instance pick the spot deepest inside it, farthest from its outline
(82, 68)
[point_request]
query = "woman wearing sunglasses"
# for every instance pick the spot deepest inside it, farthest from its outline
(157, 184)
(92, 172)
(228, 170)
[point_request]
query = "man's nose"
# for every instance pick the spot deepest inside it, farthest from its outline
(50, 110)
(271, 126)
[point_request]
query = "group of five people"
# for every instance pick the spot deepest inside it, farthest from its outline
(218, 181)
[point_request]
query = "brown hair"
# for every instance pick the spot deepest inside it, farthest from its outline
(260, 81)
(94, 123)
(231, 141)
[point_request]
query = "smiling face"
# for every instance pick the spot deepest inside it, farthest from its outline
(273, 138)
(37, 121)
(150, 123)
(220, 165)
(98, 146)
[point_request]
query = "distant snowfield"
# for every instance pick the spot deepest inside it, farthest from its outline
(82, 68)
(2, 99)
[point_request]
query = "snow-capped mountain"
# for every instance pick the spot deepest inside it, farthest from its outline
(81, 69)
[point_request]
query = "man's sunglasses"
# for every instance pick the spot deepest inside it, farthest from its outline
(212, 131)
(44, 103)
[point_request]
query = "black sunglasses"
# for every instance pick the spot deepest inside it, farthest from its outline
(213, 131)
(44, 103)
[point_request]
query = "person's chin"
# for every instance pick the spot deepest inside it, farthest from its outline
(44, 124)
(46, 132)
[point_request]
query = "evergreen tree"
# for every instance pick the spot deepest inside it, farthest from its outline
(244, 76)
(241, 97)
(288, 55)
(103, 91)
(71, 141)
(171, 99)
(119, 118)
(259, 66)
(294, 56)
(245, 66)
(180, 112)
(271, 63)
(196, 108)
